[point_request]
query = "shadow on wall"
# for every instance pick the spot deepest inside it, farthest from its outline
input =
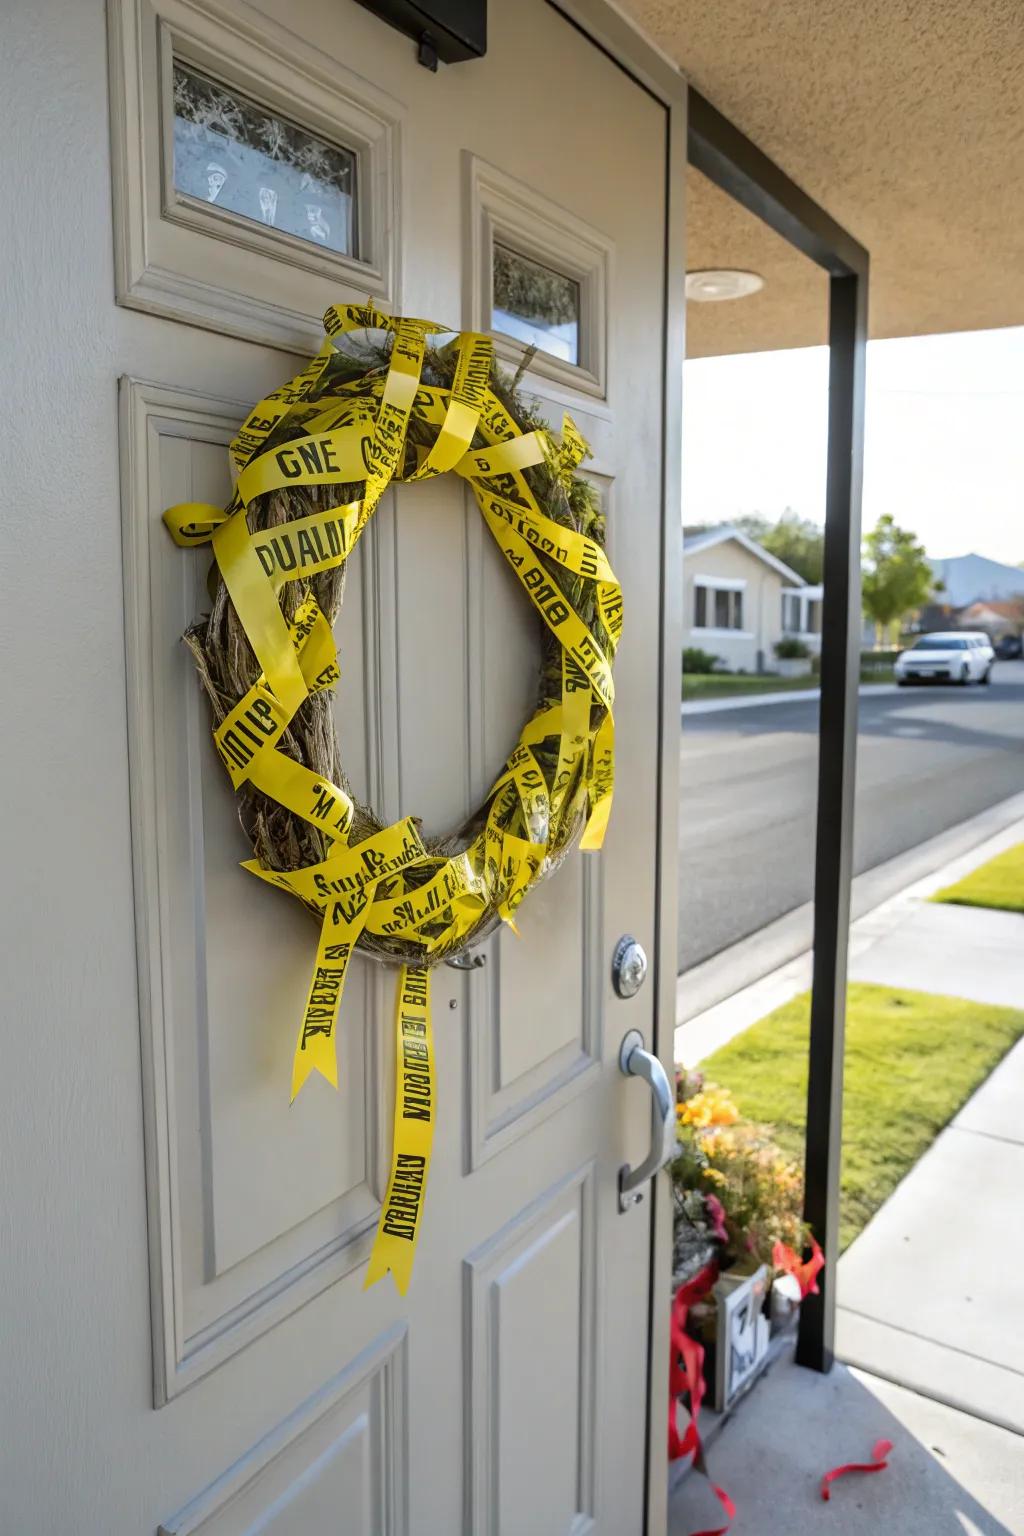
(796, 1425)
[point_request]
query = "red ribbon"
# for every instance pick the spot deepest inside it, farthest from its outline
(686, 1374)
(878, 1463)
(805, 1274)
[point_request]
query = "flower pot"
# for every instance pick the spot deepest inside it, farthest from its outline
(793, 666)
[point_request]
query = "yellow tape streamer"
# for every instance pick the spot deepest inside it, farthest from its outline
(401, 1214)
(270, 412)
(320, 430)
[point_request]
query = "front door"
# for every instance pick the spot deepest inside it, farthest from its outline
(268, 160)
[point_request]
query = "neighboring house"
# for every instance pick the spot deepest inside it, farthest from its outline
(995, 618)
(801, 615)
(965, 585)
(970, 579)
(738, 600)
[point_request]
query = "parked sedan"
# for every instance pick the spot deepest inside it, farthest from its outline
(949, 658)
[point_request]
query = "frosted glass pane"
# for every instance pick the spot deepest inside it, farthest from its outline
(232, 153)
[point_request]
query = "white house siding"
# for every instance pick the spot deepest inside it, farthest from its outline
(752, 647)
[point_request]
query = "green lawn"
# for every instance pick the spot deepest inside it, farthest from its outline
(723, 685)
(726, 685)
(999, 883)
(912, 1059)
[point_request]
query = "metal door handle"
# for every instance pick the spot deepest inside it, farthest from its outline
(634, 1061)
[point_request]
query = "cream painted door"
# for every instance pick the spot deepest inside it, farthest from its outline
(187, 1342)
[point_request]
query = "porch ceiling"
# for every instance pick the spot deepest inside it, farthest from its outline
(905, 120)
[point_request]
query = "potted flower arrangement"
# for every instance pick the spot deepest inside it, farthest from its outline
(739, 1232)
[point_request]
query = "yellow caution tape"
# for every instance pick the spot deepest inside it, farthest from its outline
(394, 1247)
(319, 430)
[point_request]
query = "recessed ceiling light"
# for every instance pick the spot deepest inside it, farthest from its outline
(715, 284)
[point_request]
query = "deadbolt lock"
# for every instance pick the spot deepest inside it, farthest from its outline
(629, 966)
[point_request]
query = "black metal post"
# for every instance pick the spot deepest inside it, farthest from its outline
(728, 158)
(837, 752)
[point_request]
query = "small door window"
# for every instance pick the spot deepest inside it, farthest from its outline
(234, 155)
(535, 304)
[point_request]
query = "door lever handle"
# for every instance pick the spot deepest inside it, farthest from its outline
(634, 1061)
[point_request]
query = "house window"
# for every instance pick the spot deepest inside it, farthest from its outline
(717, 607)
(235, 155)
(535, 304)
(790, 613)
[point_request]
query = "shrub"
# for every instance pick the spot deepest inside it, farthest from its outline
(696, 660)
(877, 666)
(789, 648)
(879, 659)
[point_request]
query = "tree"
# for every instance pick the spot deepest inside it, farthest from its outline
(798, 543)
(896, 574)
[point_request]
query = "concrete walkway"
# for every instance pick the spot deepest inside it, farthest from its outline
(930, 1295)
(948, 1474)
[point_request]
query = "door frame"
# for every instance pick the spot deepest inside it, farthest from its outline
(662, 79)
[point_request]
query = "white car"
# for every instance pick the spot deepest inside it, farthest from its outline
(965, 656)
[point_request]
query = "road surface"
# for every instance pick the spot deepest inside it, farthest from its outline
(926, 759)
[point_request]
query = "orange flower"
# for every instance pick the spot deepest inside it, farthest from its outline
(712, 1106)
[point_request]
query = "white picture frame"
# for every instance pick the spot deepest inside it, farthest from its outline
(743, 1333)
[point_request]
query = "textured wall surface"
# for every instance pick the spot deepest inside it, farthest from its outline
(904, 119)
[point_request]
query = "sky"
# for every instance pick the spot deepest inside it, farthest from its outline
(943, 449)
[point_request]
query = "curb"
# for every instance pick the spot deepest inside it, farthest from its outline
(751, 700)
(777, 959)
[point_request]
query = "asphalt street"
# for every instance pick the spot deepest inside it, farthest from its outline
(927, 758)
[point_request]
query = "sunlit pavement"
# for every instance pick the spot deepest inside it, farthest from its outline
(949, 1474)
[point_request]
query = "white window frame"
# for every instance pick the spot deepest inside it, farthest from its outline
(720, 584)
(501, 209)
(179, 257)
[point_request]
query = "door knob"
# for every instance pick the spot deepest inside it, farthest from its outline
(635, 1061)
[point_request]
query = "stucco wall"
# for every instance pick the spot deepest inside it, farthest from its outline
(762, 606)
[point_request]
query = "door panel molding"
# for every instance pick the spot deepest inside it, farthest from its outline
(530, 1258)
(346, 1447)
(514, 1080)
(218, 1279)
(181, 257)
(501, 208)
(500, 1110)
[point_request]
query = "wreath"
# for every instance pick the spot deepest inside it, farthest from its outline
(388, 399)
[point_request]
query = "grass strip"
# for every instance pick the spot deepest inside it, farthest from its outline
(912, 1060)
(999, 883)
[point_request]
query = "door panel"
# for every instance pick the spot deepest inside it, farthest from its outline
(531, 1319)
(255, 1206)
(507, 1392)
(340, 1451)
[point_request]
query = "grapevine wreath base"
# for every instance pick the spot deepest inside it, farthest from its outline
(384, 400)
